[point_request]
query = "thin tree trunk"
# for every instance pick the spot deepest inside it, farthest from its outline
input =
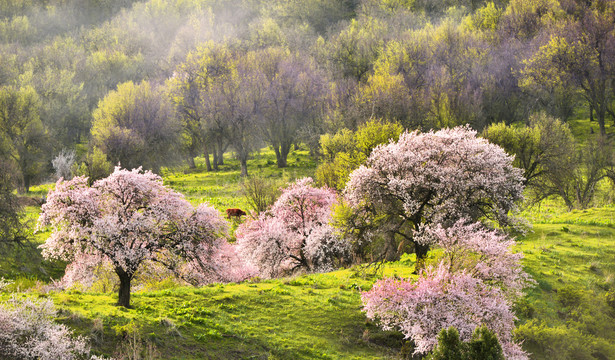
(244, 166)
(26, 183)
(124, 293)
(220, 152)
(215, 162)
(601, 115)
(191, 163)
(591, 113)
(206, 154)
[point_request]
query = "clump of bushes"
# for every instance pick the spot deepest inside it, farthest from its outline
(27, 331)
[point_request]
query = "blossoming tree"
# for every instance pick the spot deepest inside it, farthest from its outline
(477, 277)
(128, 218)
(295, 233)
(431, 178)
(437, 300)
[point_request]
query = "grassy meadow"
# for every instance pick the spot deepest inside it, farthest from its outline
(569, 314)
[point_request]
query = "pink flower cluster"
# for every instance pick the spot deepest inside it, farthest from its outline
(130, 218)
(294, 234)
(438, 177)
(437, 300)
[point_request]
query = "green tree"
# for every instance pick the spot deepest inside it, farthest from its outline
(293, 98)
(484, 345)
(450, 346)
(94, 166)
(554, 163)
(135, 126)
(23, 138)
(12, 229)
(583, 58)
(346, 151)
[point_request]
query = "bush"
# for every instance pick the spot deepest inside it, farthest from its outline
(95, 166)
(570, 296)
(27, 331)
(346, 151)
(260, 192)
(63, 163)
(484, 345)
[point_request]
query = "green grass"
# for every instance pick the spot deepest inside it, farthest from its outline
(567, 316)
(601, 216)
(308, 317)
(222, 188)
(318, 316)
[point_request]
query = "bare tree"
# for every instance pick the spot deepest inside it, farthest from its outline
(294, 98)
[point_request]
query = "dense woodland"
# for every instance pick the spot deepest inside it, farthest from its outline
(428, 127)
(157, 83)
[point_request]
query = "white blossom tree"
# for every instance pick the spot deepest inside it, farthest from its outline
(438, 177)
(128, 218)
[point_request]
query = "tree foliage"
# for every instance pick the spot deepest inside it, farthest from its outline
(438, 300)
(134, 126)
(294, 95)
(483, 345)
(12, 222)
(346, 151)
(22, 134)
(554, 163)
(29, 332)
(580, 56)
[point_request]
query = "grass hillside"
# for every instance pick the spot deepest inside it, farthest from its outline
(570, 314)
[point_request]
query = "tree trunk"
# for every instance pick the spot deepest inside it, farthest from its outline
(601, 115)
(26, 183)
(220, 152)
(191, 163)
(281, 154)
(244, 166)
(421, 255)
(124, 293)
(591, 113)
(215, 162)
(206, 154)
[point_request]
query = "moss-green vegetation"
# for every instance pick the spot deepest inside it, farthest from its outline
(570, 313)
(308, 317)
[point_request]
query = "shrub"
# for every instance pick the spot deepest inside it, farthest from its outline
(63, 164)
(260, 192)
(484, 345)
(27, 331)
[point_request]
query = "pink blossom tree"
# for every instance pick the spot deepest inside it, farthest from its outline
(294, 234)
(436, 177)
(437, 300)
(128, 218)
(482, 253)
